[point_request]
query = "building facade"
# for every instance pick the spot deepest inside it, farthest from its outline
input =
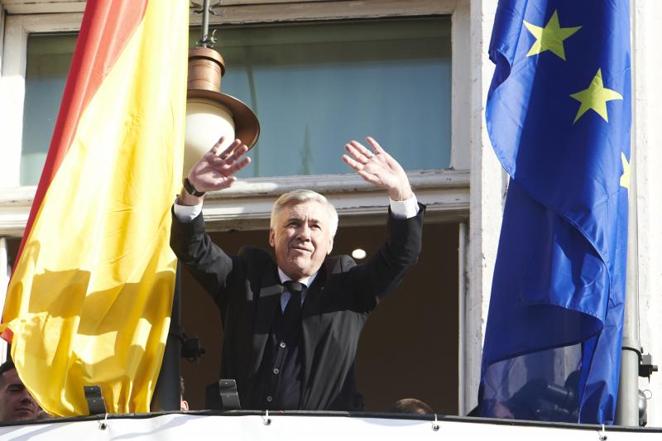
(412, 73)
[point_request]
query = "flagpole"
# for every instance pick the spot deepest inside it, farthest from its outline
(168, 386)
(627, 410)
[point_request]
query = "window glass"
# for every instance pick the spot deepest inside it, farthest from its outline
(48, 60)
(313, 87)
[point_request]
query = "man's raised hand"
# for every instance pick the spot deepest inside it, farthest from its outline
(378, 168)
(216, 169)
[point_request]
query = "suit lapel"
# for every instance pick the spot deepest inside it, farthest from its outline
(267, 304)
(269, 301)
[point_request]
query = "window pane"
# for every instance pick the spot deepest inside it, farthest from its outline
(48, 60)
(315, 86)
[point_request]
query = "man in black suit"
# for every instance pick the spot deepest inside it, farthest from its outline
(292, 320)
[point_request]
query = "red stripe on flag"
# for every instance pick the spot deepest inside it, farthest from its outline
(106, 27)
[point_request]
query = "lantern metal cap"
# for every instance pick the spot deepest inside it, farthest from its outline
(205, 70)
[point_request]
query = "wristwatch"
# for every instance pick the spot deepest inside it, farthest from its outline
(190, 189)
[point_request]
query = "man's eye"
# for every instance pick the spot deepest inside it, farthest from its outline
(15, 388)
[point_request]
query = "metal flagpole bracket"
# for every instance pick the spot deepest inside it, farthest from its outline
(95, 403)
(602, 434)
(646, 366)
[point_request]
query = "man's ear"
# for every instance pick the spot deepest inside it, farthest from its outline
(330, 246)
(271, 238)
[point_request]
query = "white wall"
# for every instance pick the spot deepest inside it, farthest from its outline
(647, 143)
(471, 82)
(486, 201)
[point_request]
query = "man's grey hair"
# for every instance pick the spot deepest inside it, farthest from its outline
(301, 196)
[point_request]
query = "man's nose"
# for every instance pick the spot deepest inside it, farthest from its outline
(27, 398)
(304, 232)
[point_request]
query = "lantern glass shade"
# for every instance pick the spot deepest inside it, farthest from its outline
(206, 122)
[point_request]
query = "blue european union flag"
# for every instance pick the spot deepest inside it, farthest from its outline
(558, 115)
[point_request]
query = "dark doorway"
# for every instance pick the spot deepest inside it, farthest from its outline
(409, 347)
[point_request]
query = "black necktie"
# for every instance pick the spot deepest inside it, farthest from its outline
(292, 314)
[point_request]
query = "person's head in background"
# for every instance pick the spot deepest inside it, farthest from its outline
(16, 403)
(411, 405)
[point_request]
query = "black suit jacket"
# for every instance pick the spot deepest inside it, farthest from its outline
(247, 290)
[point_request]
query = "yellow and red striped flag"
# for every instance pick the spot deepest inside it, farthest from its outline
(90, 298)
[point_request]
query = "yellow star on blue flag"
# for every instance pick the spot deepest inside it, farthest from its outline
(551, 37)
(595, 98)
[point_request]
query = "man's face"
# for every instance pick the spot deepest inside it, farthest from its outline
(301, 238)
(16, 403)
